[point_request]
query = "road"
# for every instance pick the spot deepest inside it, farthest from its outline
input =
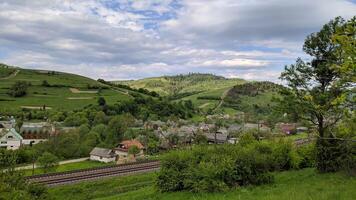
(60, 163)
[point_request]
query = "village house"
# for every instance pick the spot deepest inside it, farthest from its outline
(235, 128)
(218, 138)
(34, 133)
(154, 124)
(260, 127)
(10, 139)
(287, 128)
(206, 127)
(103, 155)
(122, 150)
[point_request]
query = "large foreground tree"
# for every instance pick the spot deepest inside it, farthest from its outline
(320, 89)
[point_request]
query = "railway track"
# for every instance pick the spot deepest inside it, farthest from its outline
(91, 174)
(303, 141)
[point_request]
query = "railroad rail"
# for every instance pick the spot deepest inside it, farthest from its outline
(303, 141)
(62, 178)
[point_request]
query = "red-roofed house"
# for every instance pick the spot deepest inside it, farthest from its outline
(122, 150)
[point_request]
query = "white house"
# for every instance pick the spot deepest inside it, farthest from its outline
(10, 139)
(102, 155)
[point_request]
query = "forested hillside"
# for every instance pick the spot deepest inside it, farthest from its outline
(183, 85)
(253, 98)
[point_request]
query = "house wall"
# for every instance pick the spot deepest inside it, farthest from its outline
(10, 144)
(102, 159)
(34, 141)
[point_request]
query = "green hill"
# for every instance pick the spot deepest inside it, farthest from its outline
(184, 85)
(204, 90)
(253, 98)
(63, 90)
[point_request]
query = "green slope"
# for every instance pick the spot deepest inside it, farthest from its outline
(253, 98)
(204, 90)
(183, 84)
(291, 185)
(59, 95)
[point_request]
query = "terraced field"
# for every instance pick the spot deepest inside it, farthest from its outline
(67, 91)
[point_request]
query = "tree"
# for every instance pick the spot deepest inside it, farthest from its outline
(101, 101)
(318, 90)
(45, 83)
(19, 89)
(47, 162)
(117, 127)
(133, 150)
(14, 186)
(345, 37)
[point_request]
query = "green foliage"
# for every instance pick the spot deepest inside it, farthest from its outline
(307, 155)
(14, 186)
(291, 185)
(319, 90)
(180, 86)
(6, 71)
(345, 36)
(133, 150)
(217, 168)
(101, 101)
(18, 89)
(48, 162)
(255, 99)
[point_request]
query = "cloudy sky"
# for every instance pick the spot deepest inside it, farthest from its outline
(131, 39)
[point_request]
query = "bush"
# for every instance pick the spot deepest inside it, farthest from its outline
(19, 89)
(218, 168)
(307, 155)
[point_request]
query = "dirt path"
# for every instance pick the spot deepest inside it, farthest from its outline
(204, 105)
(222, 99)
(79, 98)
(76, 91)
(11, 75)
(36, 107)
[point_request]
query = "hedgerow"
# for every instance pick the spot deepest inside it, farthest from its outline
(218, 168)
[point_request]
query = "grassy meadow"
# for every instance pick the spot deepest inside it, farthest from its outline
(58, 97)
(69, 167)
(183, 84)
(291, 185)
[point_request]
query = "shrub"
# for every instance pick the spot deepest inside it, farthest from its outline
(218, 168)
(19, 89)
(307, 155)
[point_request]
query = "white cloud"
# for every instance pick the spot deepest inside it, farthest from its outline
(110, 39)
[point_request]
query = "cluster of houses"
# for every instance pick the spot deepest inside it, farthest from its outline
(33, 133)
(30, 133)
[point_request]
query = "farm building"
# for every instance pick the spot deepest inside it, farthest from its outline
(103, 155)
(122, 150)
(34, 133)
(10, 139)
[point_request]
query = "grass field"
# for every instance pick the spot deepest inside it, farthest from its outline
(70, 166)
(186, 83)
(291, 185)
(60, 97)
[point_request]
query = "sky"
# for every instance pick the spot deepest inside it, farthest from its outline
(133, 39)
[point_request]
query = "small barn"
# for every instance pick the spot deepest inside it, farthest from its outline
(103, 155)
